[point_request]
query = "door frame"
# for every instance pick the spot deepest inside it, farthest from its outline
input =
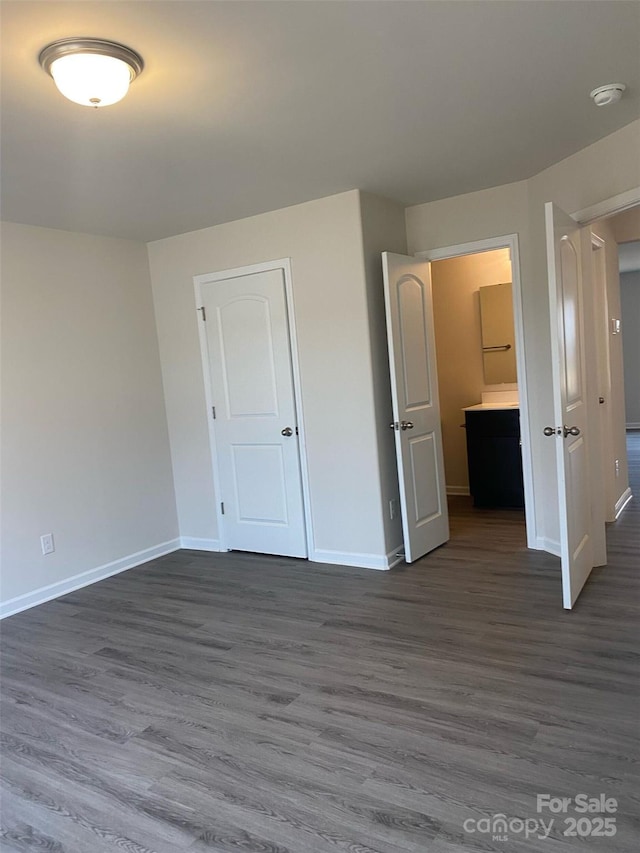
(508, 241)
(608, 207)
(283, 264)
(599, 299)
(587, 216)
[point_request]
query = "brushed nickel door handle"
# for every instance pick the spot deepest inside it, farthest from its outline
(551, 431)
(571, 430)
(287, 431)
(406, 425)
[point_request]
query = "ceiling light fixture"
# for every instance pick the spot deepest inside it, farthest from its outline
(609, 94)
(91, 72)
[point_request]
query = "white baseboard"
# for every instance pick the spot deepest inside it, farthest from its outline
(55, 590)
(622, 501)
(458, 490)
(335, 558)
(396, 556)
(195, 544)
(549, 545)
(347, 558)
(633, 426)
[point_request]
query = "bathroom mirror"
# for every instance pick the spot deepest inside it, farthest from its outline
(498, 334)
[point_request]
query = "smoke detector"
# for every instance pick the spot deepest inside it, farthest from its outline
(609, 94)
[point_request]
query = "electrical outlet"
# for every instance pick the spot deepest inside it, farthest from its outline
(393, 508)
(47, 543)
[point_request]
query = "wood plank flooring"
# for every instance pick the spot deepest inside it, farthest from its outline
(231, 702)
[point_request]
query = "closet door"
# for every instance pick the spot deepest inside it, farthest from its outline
(255, 425)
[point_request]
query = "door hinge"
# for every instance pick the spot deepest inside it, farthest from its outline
(222, 507)
(213, 412)
(204, 312)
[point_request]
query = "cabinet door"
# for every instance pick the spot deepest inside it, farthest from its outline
(495, 471)
(495, 460)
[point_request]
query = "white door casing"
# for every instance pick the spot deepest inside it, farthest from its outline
(571, 410)
(416, 407)
(250, 374)
(595, 422)
(603, 354)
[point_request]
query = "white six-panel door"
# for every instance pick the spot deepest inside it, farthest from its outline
(256, 434)
(416, 406)
(570, 432)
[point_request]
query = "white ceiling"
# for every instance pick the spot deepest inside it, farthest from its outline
(250, 106)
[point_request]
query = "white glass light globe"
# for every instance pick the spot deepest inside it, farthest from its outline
(90, 79)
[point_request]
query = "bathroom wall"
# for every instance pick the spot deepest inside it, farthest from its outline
(456, 285)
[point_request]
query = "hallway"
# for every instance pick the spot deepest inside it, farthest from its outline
(623, 536)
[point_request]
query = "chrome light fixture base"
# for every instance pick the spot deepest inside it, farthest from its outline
(71, 46)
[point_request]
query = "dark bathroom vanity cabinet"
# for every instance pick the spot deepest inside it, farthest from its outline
(494, 456)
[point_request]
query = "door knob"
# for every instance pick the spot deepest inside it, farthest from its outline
(551, 431)
(406, 425)
(570, 431)
(287, 431)
(601, 400)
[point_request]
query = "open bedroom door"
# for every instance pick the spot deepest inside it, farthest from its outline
(581, 538)
(416, 406)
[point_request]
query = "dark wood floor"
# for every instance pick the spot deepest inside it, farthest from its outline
(239, 703)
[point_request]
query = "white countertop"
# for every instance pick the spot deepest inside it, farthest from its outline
(485, 407)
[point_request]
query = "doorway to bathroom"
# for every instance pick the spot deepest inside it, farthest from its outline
(460, 275)
(414, 364)
(475, 341)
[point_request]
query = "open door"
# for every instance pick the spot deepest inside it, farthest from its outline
(416, 407)
(578, 538)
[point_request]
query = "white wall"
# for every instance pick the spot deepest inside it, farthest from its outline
(456, 309)
(626, 225)
(604, 169)
(614, 438)
(477, 216)
(323, 238)
(630, 298)
(85, 452)
(383, 230)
